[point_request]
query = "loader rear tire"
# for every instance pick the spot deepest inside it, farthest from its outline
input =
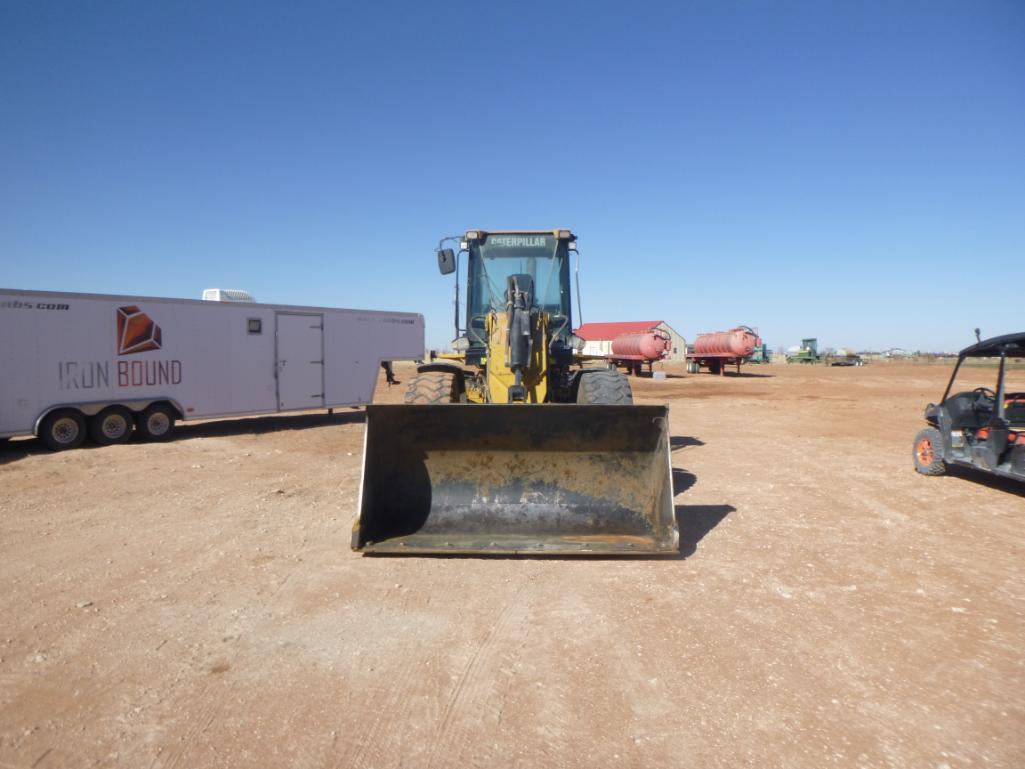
(433, 387)
(607, 388)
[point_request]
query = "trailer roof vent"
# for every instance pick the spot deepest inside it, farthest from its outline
(226, 295)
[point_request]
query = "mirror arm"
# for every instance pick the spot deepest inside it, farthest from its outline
(576, 273)
(441, 243)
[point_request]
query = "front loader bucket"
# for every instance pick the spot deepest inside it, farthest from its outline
(557, 479)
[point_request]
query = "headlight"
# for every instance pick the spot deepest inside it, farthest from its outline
(576, 342)
(462, 344)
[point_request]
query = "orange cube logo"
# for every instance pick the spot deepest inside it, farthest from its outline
(136, 331)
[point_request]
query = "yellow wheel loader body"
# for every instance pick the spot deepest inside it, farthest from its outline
(509, 445)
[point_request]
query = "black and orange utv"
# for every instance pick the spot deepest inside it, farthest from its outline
(978, 426)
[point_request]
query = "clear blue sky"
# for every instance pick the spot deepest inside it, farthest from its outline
(853, 171)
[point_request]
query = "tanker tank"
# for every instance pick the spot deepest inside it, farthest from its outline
(636, 349)
(717, 350)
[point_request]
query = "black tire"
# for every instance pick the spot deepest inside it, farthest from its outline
(433, 387)
(607, 388)
(927, 452)
(156, 423)
(62, 429)
(112, 425)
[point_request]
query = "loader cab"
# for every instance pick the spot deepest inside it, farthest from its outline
(494, 257)
(980, 420)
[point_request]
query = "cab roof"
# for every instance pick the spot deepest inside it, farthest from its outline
(1012, 345)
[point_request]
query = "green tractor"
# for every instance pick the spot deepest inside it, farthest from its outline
(808, 352)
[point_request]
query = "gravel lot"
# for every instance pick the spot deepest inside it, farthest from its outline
(196, 604)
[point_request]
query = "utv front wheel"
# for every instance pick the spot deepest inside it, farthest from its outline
(433, 387)
(928, 452)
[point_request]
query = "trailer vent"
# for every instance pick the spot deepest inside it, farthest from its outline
(226, 295)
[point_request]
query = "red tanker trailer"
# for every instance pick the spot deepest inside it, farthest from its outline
(634, 350)
(717, 350)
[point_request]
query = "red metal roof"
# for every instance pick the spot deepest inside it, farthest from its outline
(592, 332)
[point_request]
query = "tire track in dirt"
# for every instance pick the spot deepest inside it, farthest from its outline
(385, 707)
(474, 689)
(213, 701)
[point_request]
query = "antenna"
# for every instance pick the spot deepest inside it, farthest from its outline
(978, 338)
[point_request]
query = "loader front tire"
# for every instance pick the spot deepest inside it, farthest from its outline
(604, 387)
(433, 387)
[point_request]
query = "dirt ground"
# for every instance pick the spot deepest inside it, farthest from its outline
(196, 604)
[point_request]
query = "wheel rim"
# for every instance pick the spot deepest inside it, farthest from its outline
(924, 452)
(115, 426)
(157, 423)
(65, 430)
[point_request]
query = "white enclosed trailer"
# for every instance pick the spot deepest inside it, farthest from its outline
(72, 364)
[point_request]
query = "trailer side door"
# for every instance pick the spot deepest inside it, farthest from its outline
(299, 347)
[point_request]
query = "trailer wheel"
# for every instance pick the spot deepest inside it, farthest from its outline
(156, 423)
(433, 387)
(928, 452)
(110, 426)
(62, 429)
(607, 388)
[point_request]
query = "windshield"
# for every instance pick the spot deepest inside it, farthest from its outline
(982, 372)
(543, 257)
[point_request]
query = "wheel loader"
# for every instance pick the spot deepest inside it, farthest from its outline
(516, 442)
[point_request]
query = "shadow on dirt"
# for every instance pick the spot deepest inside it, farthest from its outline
(683, 441)
(741, 375)
(682, 480)
(14, 450)
(695, 521)
(985, 479)
(265, 424)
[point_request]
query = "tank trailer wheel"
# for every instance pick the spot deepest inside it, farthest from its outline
(156, 423)
(110, 426)
(62, 429)
(607, 388)
(928, 452)
(433, 387)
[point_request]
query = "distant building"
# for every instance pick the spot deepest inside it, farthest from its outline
(598, 336)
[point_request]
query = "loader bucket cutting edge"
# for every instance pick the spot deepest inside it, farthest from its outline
(552, 479)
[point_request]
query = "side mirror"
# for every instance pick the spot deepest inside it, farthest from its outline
(446, 261)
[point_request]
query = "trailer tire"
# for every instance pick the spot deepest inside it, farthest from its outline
(156, 423)
(693, 367)
(606, 388)
(112, 425)
(433, 387)
(62, 429)
(928, 452)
